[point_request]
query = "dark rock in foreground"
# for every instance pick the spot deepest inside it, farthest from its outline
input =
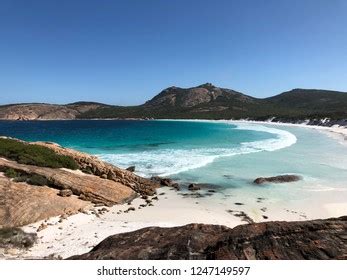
(318, 239)
(277, 179)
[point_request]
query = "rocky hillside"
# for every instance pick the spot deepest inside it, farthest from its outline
(41, 111)
(318, 239)
(205, 101)
(211, 102)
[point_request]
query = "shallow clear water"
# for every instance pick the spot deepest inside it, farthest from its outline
(221, 153)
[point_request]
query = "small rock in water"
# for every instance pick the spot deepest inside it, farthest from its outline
(277, 179)
(193, 187)
(239, 203)
(176, 186)
(131, 168)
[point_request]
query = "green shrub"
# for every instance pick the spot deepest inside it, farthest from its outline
(11, 173)
(16, 238)
(37, 180)
(34, 155)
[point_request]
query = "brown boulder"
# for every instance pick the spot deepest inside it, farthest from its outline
(162, 181)
(23, 204)
(65, 193)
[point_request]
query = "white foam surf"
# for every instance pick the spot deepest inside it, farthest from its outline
(165, 162)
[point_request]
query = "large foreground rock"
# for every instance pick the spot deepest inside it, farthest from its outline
(87, 187)
(318, 239)
(22, 204)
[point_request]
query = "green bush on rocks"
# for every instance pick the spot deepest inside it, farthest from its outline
(32, 154)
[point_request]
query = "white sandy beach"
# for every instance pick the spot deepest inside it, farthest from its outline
(79, 233)
(337, 132)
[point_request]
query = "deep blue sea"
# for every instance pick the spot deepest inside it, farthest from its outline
(227, 154)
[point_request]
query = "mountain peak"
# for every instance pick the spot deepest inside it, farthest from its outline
(206, 85)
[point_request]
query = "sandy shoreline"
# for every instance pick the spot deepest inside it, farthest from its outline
(79, 233)
(337, 132)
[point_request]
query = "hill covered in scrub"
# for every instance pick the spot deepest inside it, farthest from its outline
(43, 111)
(205, 101)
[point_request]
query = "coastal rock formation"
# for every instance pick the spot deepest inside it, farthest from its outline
(22, 204)
(36, 190)
(277, 179)
(92, 165)
(317, 239)
(87, 187)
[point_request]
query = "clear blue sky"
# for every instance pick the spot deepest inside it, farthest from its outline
(126, 51)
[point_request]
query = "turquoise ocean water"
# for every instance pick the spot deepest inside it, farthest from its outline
(230, 155)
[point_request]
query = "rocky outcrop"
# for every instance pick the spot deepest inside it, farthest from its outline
(87, 187)
(22, 204)
(36, 193)
(92, 165)
(318, 239)
(277, 179)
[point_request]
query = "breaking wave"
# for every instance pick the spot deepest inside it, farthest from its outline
(165, 162)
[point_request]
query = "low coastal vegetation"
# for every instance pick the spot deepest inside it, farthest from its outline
(19, 176)
(31, 154)
(16, 238)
